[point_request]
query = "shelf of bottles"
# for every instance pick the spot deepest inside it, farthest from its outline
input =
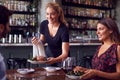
(83, 36)
(87, 9)
(23, 22)
(23, 16)
(96, 4)
(86, 13)
(81, 24)
(80, 29)
(83, 15)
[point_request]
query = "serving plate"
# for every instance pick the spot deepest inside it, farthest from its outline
(25, 70)
(36, 62)
(52, 69)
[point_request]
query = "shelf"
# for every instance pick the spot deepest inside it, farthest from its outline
(22, 26)
(82, 17)
(86, 6)
(23, 12)
(15, 44)
(81, 29)
(30, 44)
(26, 0)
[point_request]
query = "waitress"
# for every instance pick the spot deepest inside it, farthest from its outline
(54, 32)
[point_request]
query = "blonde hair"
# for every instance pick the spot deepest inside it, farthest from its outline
(59, 10)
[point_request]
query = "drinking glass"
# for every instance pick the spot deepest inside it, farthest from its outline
(37, 35)
(68, 64)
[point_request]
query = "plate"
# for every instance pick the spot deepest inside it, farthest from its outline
(52, 69)
(25, 70)
(36, 62)
(73, 76)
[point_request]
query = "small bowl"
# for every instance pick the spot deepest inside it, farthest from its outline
(73, 77)
(50, 69)
(25, 71)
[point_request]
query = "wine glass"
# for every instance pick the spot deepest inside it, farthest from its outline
(68, 64)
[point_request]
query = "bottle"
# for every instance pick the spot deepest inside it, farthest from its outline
(20, 38)
(41, 49)
(15, 38)
(35, 51)
(10, 38)
(3, 40)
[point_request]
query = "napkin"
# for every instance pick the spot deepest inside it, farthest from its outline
(38, 50)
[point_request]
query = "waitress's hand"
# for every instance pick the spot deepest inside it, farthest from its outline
(51, 60)
(41, 58)
(89, 74)
(35, 41)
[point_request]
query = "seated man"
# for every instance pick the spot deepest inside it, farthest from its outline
(4, 29)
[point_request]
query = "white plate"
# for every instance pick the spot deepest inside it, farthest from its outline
(73, 76)
(25, 70)
(36, 62)
(52, 69)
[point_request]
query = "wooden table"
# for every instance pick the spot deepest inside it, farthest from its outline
(39, 74)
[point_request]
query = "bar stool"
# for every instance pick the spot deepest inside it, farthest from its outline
(16, 62)
(86, 61)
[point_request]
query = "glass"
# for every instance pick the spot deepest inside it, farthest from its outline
(37, 35)
(68, 64)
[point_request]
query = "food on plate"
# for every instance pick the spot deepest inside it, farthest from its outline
(34, 59)
(75, 73)
(39, 58)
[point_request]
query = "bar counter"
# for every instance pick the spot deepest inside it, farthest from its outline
(30, 44)
(25, 50)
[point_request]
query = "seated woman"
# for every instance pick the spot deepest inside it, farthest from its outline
(106, 60)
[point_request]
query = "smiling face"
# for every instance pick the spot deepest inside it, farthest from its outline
(103, 32)
(51, 15)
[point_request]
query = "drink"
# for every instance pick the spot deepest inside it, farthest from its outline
(67, 70)
(68, 64)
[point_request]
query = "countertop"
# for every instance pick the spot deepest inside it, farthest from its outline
(30, 44)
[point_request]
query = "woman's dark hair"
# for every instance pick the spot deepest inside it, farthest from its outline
(111, 24)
